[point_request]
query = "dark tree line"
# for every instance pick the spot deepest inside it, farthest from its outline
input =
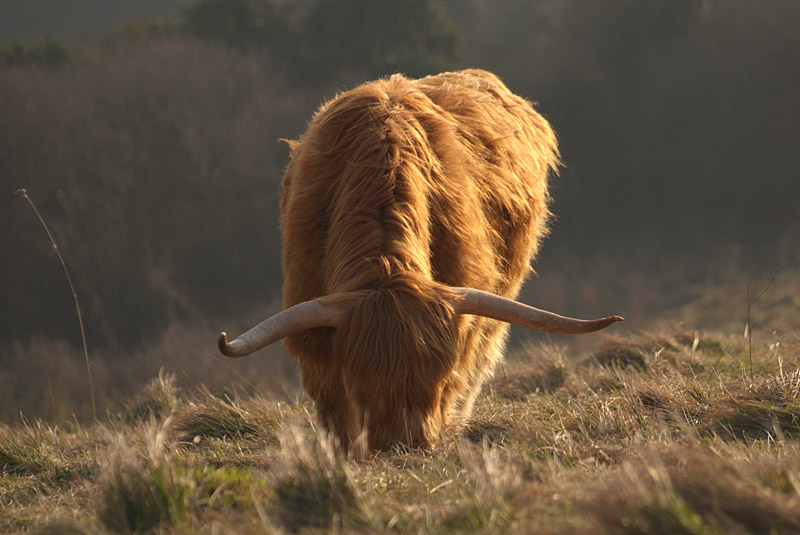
(152, 149)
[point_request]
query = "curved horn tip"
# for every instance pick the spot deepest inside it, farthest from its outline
(222, 343)
(609, 320)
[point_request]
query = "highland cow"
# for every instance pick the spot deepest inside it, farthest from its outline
(411, 211)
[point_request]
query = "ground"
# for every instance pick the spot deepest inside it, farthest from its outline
(671, 430)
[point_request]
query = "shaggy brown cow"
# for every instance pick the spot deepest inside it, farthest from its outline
(411, 211)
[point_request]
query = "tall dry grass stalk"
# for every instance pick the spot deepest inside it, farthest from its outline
(748, 333)
(24, 193)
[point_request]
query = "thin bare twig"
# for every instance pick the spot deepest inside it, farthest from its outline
(749, 327)
(24, 193)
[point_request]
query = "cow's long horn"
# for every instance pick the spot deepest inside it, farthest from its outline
(295, 319)
(500, 308)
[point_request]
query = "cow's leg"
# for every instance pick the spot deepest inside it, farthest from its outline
(336, 412)
(480, 351)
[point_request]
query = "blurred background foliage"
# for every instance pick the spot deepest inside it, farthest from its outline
(151, 147)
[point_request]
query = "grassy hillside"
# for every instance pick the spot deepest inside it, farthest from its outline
(669, 431)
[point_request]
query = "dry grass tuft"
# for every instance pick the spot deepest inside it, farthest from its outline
(619, 356)
(314, 486)
(697, 490)
(151, 487)
(488, 432)
(37, 450)
(158, 399)
(208, 416)
(140, 492)
(533, 369)
(768, 408)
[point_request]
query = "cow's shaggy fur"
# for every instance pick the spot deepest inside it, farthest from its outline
(399, 190)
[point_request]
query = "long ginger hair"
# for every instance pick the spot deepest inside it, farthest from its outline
(398, 190)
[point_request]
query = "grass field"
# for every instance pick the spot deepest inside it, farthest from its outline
(672, 430)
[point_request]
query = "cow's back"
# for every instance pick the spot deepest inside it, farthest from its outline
(506, 151)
